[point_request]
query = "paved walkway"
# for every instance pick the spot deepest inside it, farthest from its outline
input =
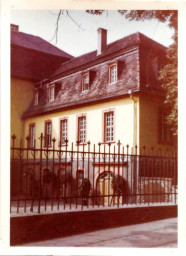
(161, 233)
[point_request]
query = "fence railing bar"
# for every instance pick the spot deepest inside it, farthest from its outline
(116, 176)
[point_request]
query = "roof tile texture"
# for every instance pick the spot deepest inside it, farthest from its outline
(125, 51)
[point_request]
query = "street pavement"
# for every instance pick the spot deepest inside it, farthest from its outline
(162, 233)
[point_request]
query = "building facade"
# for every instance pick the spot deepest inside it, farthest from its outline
(104, 96)
(91, 103)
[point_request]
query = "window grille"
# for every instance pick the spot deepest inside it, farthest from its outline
(85, 82)
(113, 74)
(48, 134)
(32, 135)
(109, 127)
(51, 93)
(63, 131)
(82, 129)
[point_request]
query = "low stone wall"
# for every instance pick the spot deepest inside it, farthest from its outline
(47, 226)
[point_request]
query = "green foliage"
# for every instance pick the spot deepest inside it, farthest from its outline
(168, 78)
(168, 74)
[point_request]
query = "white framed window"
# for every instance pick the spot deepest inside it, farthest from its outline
(109, 126)
(63, 131)
(85, 82)
(48, 134)
(82, 129)
(165, 134)
(51, 93)
(113, 73)
(36, 98)
(32, 135)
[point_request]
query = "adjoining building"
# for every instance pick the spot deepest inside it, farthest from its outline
(32, 60)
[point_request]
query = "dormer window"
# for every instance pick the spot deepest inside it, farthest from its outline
(85, 82)
(51, 93)
(36, 98)
(113, 73)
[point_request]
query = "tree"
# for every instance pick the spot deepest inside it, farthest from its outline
(168, 74)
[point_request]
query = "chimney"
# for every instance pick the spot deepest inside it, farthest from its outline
(14, 27)
(102, 40)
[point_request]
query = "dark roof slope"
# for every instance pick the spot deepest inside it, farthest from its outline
(70, 93)
(36, 43)
(33, 58)
(125, 42)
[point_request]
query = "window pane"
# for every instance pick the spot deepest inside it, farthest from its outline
(109, 127)
(82, 129)
(51, 93)
(36, 98)
(48, 134)
(113, 74)
(32, 135)
(85, 83)
(63, 131)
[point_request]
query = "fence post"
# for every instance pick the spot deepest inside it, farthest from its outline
(12, 169)
(119, 144)
(40, 170)
(53, 160)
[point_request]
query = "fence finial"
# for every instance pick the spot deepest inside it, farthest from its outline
(13, 137)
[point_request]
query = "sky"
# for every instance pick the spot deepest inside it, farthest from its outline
(77, 33)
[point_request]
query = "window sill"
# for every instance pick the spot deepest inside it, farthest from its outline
(113, 83)
(82, 144)
(85, 91)
(111, 142)
(62, 145)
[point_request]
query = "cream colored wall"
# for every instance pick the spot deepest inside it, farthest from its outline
(21, 96)
(124, 122)
(149, 106)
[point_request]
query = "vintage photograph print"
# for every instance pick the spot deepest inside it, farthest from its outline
(93, 128)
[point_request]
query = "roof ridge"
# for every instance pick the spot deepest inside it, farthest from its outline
(125, 37)
(84, 54)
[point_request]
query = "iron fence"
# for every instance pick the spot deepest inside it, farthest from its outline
(77, 177)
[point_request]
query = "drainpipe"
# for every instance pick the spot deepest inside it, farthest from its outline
(134, 120)
(135, 163)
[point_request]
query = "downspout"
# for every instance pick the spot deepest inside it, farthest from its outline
(134, 120)
(134, 151)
